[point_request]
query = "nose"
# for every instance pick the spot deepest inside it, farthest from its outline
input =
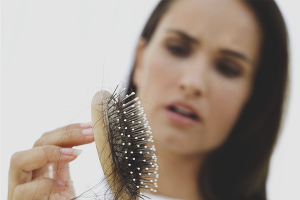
(190, 91)
(193, 82)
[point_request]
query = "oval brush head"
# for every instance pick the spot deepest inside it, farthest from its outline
(123, 139)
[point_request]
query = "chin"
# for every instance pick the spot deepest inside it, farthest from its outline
(174, 142)
(171, 138)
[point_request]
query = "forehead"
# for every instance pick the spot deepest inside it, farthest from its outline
(217, 22)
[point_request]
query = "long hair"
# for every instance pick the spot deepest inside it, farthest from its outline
(238, 169)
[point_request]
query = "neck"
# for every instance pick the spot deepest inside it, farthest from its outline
(178, 174)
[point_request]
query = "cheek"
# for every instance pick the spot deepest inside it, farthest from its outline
(159, 76)
(162, 70)
(226, 103)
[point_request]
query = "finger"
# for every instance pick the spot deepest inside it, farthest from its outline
(86, 125)
(43, 172)
(65, 156)
(39, 188)
(35, 158)
(61, 171)
(57, 171)
(69, 127)
(69, 138)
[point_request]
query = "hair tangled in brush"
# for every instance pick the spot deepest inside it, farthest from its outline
(125, 145)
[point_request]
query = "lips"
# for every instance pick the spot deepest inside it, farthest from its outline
(182, 113)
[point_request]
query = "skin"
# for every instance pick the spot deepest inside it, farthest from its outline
(213, 73)
(202, 74)
(29, 177)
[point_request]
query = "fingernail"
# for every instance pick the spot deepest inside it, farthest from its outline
(86, 125)
(62, 183)
(88, 131)
(70, 151)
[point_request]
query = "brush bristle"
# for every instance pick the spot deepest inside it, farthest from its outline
(131, 142)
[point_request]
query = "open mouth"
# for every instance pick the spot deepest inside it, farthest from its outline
(185, 112)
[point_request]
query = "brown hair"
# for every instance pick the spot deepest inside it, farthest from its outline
(238, 170)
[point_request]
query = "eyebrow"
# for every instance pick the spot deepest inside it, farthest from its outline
(227, 52)
(236, 55)
(184, 36)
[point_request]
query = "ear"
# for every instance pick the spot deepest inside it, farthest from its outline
(137, 73)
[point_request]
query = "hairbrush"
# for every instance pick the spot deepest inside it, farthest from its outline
(124, 144)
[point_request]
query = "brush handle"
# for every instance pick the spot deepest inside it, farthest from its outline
(103, 147)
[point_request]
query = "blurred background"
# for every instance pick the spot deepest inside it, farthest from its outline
(57, 54)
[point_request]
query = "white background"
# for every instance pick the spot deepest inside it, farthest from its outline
(57, 54)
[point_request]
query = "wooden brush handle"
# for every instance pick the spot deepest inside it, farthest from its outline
(103, 147)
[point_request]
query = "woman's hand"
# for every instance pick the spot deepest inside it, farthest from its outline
(29, 175)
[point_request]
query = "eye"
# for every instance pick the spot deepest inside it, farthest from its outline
(228, 69)
(178, 50)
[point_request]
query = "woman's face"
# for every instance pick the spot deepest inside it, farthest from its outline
(195, 74)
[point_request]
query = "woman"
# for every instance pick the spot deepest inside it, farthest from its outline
(212, 77)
